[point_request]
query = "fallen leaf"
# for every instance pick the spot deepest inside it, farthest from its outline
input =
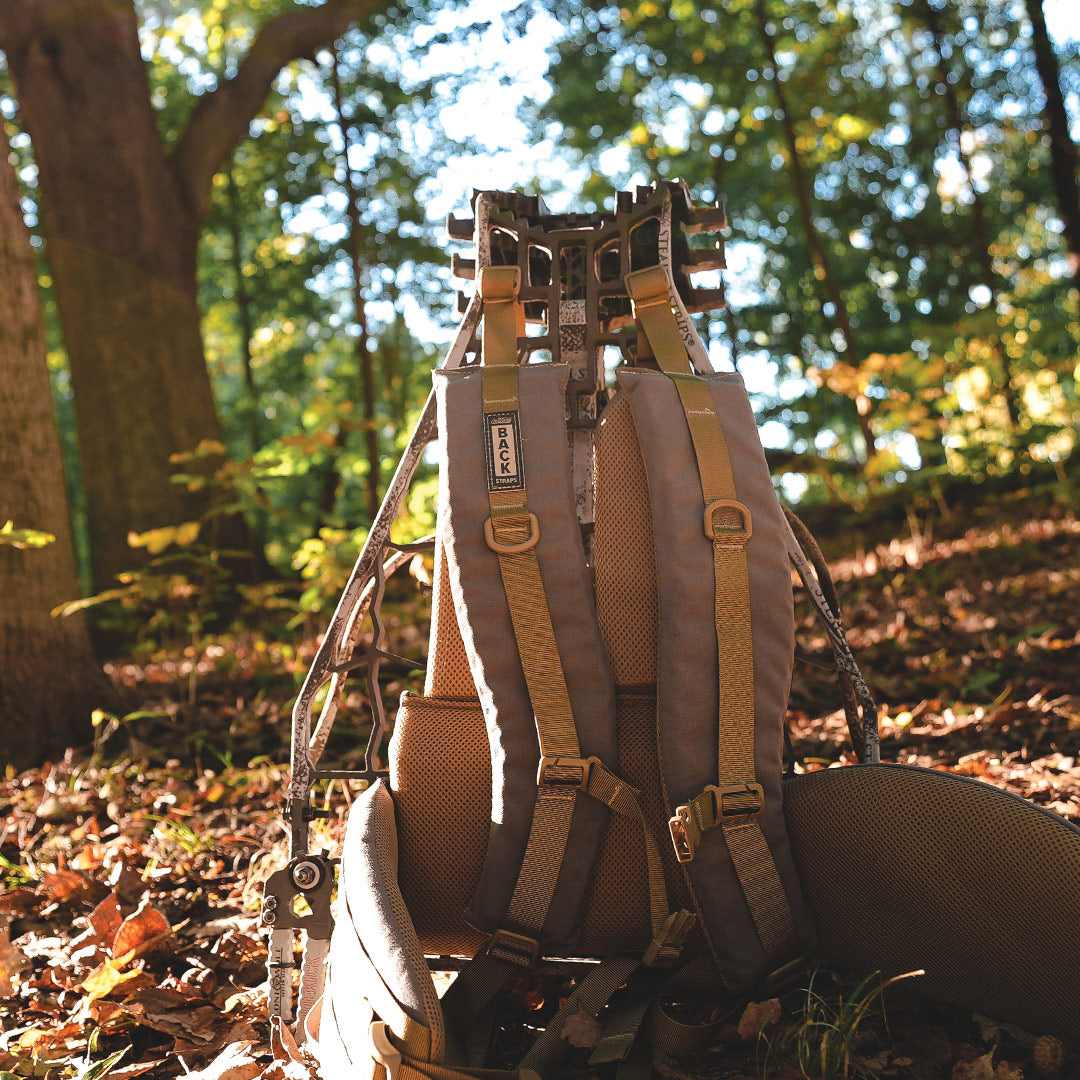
(140, 932)
(582, 1030)
(757, 1016)
(105, 978)
(106, 918)
(235, 1062)
(12, 961)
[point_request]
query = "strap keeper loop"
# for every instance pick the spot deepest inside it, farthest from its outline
(499, 284)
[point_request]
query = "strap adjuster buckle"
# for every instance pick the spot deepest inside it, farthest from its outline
(516, 948)
(667, 945)
(715, 805)
(725, 532)
(571, 772)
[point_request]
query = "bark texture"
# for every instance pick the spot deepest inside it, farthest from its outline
(122, 220)
(1056, 123)
(49, 678)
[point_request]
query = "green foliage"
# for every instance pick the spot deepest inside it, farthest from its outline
(943, 242)
(24, 538)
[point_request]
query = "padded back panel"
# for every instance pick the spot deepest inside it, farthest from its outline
(908, 868)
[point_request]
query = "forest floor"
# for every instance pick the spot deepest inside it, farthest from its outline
(131, 870)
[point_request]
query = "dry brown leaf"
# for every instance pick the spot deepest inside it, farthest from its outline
(140, 932)
(1048, 1056)
(106, 918)
(757, 1016)
(12, 962)
(983, 1068)
(582, 1030)
(63, 885)
(235, 1062)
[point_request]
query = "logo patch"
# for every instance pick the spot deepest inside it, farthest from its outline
(505, 467)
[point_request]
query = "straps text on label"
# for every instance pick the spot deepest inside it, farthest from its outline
(505, 467)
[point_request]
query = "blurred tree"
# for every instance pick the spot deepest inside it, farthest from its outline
(122, 213)
(49, 678)
(1056, 121)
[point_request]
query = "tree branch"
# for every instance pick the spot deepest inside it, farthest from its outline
(221, 117)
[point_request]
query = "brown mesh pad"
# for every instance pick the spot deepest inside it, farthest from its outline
(440, 774)
(907, 868)
(617, 916)
(440, 778)
(448, 674)
(623, 550)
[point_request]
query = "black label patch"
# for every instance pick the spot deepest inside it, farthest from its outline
(505, 466)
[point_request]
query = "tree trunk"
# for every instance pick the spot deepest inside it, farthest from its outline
(49, 678)
(1056, 123)
(353, 241)
(822, 268)
(980, 233)
(122, 221)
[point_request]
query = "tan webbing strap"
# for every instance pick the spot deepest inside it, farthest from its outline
(734, 802)
(512, 532)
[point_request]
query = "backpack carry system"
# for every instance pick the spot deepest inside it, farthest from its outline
(595, 769)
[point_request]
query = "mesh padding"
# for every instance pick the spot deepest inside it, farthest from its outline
(626, 604)
(448, 674)
(440, 774)
(907, 868)
(617, 916)
(440, 778)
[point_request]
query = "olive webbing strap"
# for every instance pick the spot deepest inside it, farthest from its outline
(733, 803)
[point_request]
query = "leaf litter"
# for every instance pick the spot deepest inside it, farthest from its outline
(130, 872)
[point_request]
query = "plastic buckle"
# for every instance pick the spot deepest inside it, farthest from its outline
(715, 805)
(685, 834)
(728, 534)
(516, 948)
(750, 809)
(571, 772)
(515, 547)
(382, 1049)
(668, 944)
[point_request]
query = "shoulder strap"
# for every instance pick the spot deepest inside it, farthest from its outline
(727, 824)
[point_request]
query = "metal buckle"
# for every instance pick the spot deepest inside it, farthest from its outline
(382, 1049)
(667, 945)
(727, 533)
(516, 948)
(550, 771)
(506, 548)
